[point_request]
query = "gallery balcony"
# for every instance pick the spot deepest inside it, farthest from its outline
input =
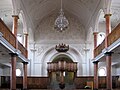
(10, 44)
(109, 44)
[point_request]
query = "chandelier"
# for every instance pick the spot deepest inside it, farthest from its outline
(61, 23)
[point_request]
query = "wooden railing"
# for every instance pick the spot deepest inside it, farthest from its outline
(10, 37)
(7, 34)
(22, 49)
(114, 35)
(111, 38)
(99, 49)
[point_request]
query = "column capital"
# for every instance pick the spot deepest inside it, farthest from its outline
(13, 54)
(95, 33)
(95, 62)
(26, 34)
(107, 15)
(108, 53)
(15, 16)
(25, 62)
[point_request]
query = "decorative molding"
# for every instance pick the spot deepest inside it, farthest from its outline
(7, 45)
(12, 49)
(107, 15)
(98, 57)
(112, 46)
(23, 58)
(40, 49)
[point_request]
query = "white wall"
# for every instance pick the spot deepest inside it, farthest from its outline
(102, 27)
(118, 69)
(43, 53)
(1, 71)
(6, 71)
(1, 74)
(42, 49)
(113, 71)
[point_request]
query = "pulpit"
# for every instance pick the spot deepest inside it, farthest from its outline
(62, 66)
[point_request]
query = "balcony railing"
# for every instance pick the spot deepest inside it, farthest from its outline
(7, 34)
(99, 49)
(10, 37)
(62, 66)
(22, 49)
(114, 35)
(111, 38)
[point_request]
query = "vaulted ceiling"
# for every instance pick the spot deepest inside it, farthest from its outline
(36, 10)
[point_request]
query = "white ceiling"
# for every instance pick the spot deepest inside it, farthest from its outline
(82, 9)
(115, 11)
(36, 10)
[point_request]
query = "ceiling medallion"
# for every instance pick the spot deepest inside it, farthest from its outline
(61, 23)
(62, 48)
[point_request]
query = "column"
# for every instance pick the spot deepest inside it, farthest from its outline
(108, 54)
(26, 40)
(95, 75)
(108, 27)
(108, 67)
(95, 64)
(25, 75)
(13, 71)
(95, 39)
(15, 24)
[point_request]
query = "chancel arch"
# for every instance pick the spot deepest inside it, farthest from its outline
(73, 54)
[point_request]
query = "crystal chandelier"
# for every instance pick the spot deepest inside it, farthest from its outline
(61, 23)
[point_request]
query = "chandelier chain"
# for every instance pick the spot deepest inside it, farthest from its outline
(61, 23)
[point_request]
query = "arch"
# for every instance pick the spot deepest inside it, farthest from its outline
(97, 20)
(17, 11)
(16, 7)
(51, 53)
(62, 57)
(52, 49)
(67, 54)
(22, 28)
(107, 6)
(23, 21)
(102, 71)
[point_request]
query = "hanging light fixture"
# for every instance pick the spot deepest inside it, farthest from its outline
(61, 23)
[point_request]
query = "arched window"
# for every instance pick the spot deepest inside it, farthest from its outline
(101, 37)
(102, 71)
(18, 72)
(19, 37)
